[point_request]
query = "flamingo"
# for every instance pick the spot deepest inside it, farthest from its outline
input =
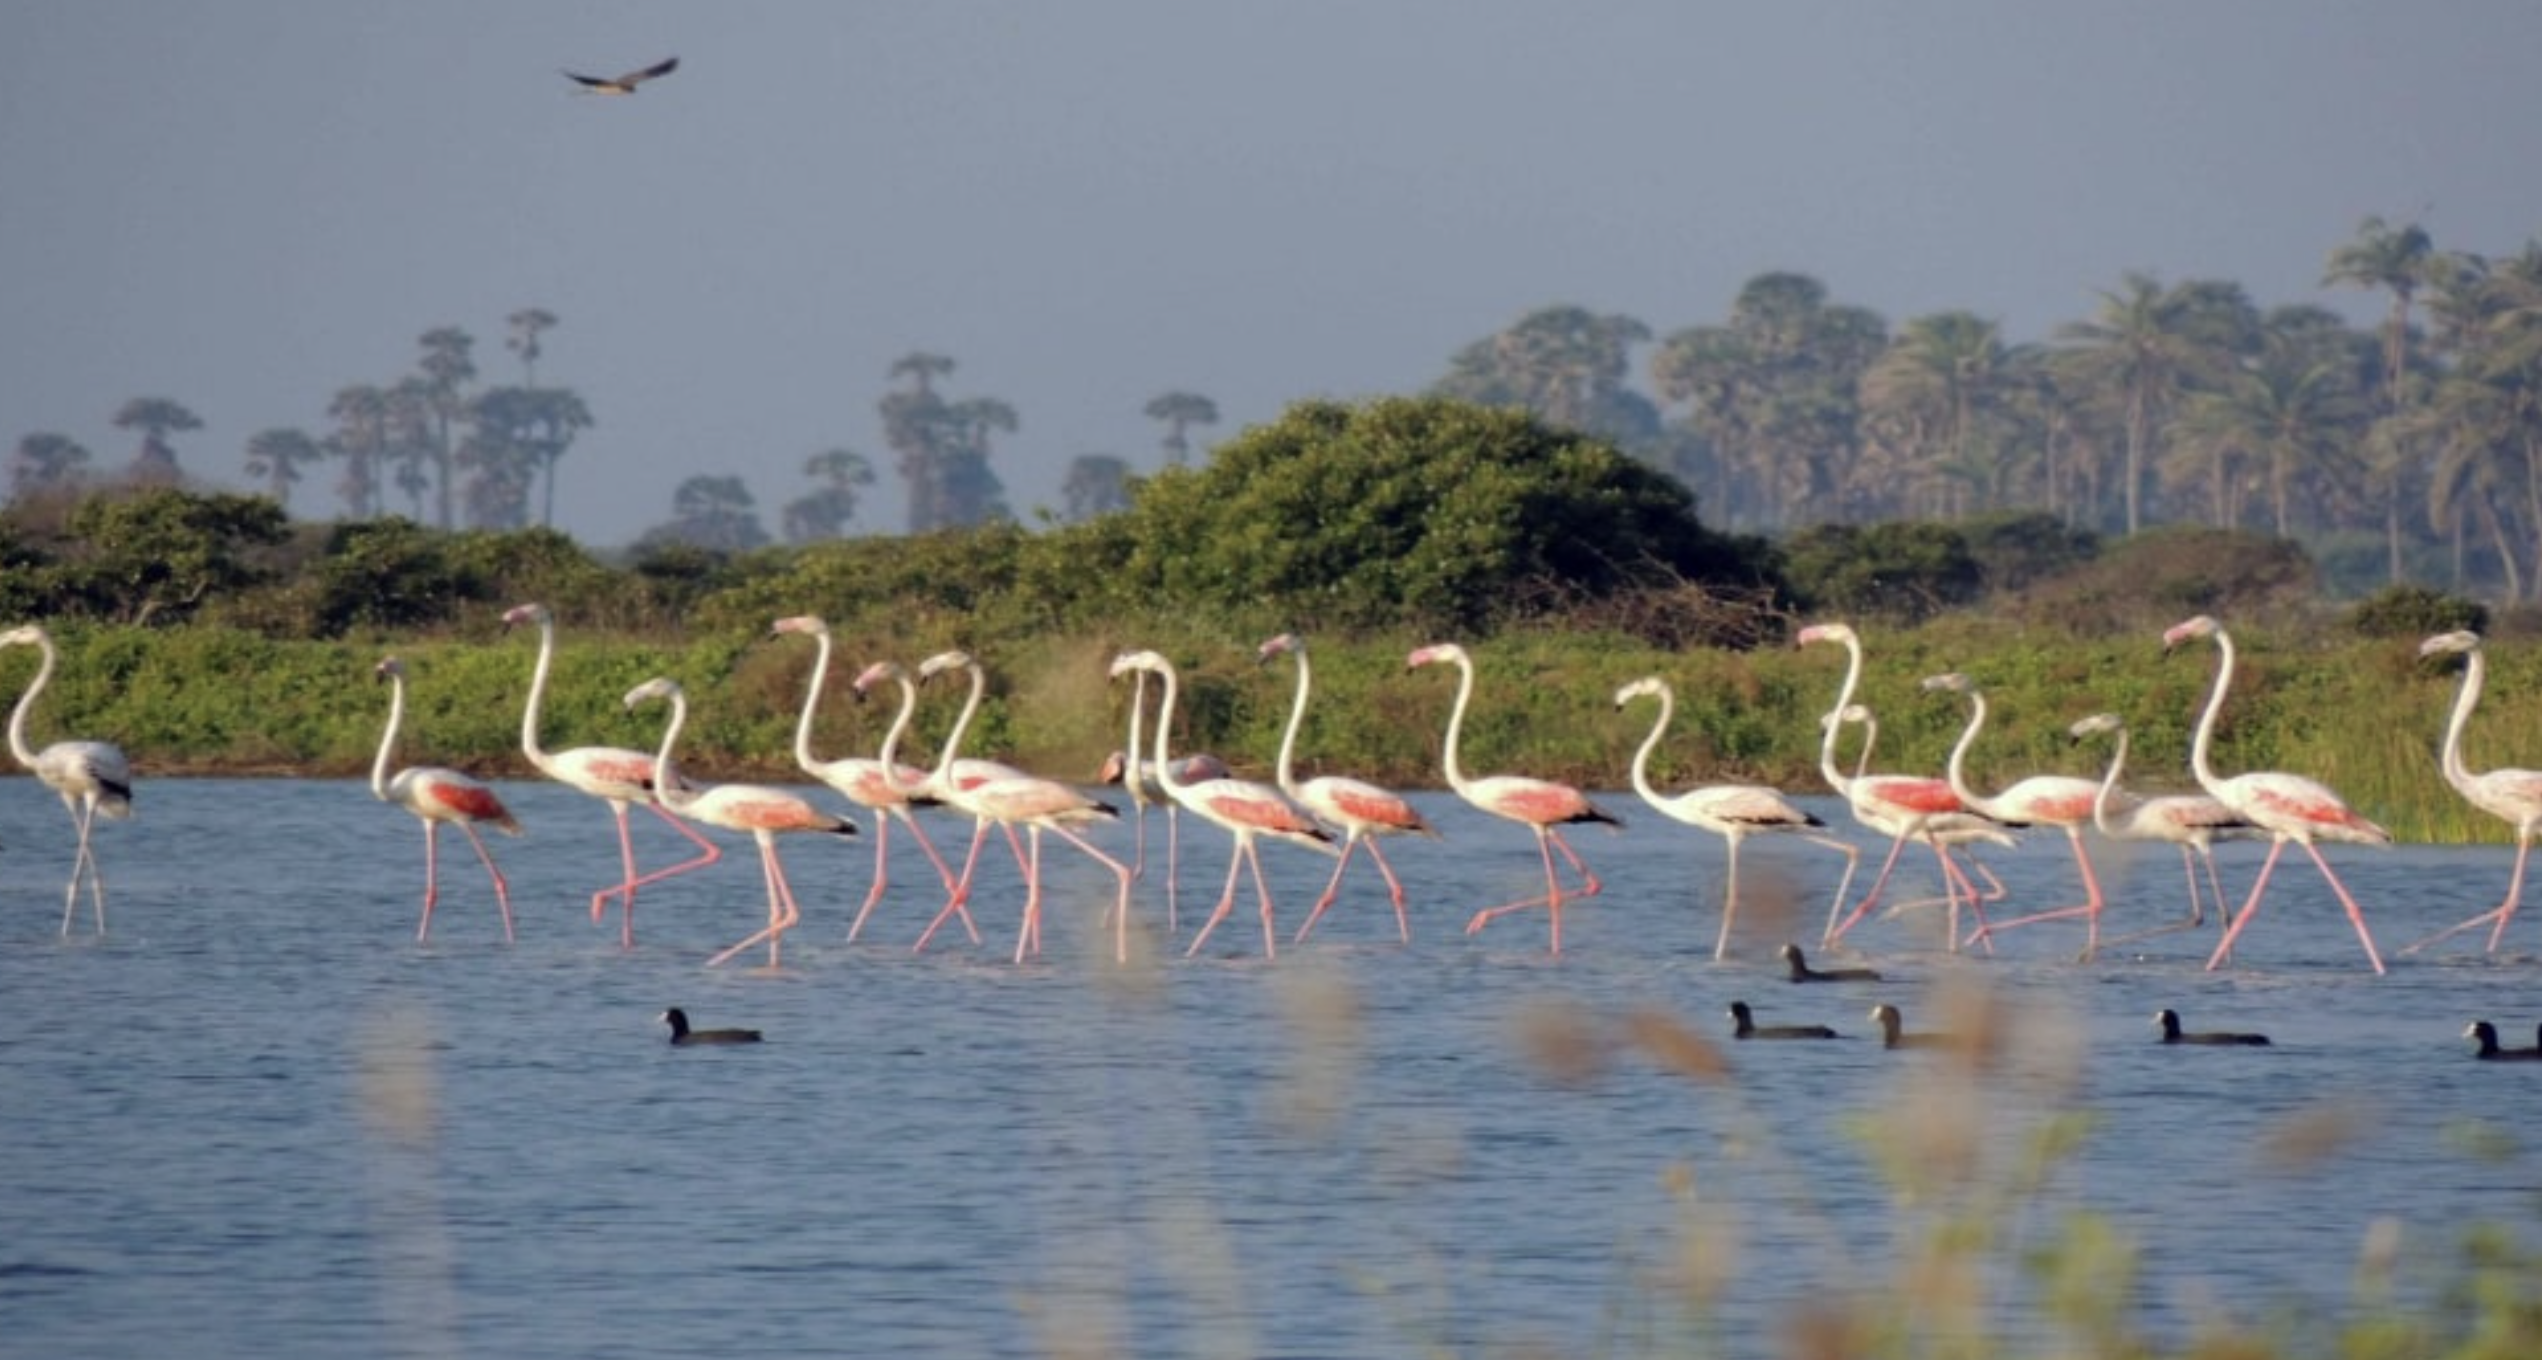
(436, 795)
(1731, 811)
(2192, 821)
(765, 813)
(2513, 795)
(2057, 800)
(1541, 805)
(1009, 800)
(1945, 830)
(1364, 812)
(1246, 810)
(612, 774)
(1909, 807)
(1134, 773)
(2289, 807)
(91, 776)
(880, 785)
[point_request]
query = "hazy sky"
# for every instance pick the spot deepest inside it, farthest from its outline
(247, 205)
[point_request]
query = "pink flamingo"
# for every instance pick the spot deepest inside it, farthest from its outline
(765, 813)
(1962, 831)
(1134, 773)
(1731, 811)
(2289, 807)
(1009, 800)
(2511, 795)
(1245, 809)
(2058, 800)
(1908, 807)
(435, 796)
(612, 774)
(2192, 821)
(1362, 810)
(1541, 805)
(91, 776)
(880, 784)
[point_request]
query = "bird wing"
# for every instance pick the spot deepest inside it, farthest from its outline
(660, 68)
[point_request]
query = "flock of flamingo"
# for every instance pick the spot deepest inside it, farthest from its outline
(1338, 816)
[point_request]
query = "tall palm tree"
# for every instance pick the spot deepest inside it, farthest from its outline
(915, 426)
(1096, 484)
(1180, 411)
(2291, 413)
(1566, 364)
(524, 432)
(1934, 399)
(444, 374)
(277, 455)
(711, 511)
(1773, 393)
(2146, 348)
(526, 326)
(826, 511)
(2396, 260)
(156, 418)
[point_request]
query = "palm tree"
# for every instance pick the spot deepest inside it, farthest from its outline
(277, 455)
(1097, 484)
(1933, 400)
(2149, 346)
(914, 426)
(156, 418)
(2397, 260)
(361, 439)
(45, 461)
(526, 326)
(1566, 364)
(2291, 413)
(970, 490)
(826, 511)
(714, 512)
(446, 370)
(1180, 411)
(528, 426)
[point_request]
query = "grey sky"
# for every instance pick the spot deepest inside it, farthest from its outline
(247, 205)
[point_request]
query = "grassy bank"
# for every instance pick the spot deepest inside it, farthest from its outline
(2365, 716)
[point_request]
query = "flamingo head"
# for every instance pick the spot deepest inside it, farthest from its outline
(1951, 681)
(1139, 661)
(801, 623)
(1116, 767)
(1647, 685)
(1824, 632)
(659, 687)
(2447, 643)
(390, 668)
(876, 674)
(525, 613)
(2190, 630)
(23, 633)
(1286, 642)
(1436, 651)
(944, 661)
(2096, 724)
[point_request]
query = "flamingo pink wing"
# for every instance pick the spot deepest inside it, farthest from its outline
(467, 799)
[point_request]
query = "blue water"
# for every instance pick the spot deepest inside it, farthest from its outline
(259, 1119)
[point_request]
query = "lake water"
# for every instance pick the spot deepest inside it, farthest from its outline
(259, 1119)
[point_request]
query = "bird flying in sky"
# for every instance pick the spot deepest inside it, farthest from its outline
(625, 84)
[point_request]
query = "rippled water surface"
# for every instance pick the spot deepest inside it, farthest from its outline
(260, 1119)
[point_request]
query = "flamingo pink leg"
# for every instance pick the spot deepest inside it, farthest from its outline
(882, 838)
(2496, 917)
(1227, 901)
(1547, 841)
(2356, 916)
(782, 912)
(708, 853)
(2089, 909)
(432, 876)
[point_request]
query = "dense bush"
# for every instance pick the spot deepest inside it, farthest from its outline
(1901, 573)
(2414, 612)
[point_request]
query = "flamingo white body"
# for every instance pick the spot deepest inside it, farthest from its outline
(439, 797)
(614, 775)
(879, 784)
(2513, 796)
(1907, 806)
(1008, 801)
(2062, 801)
(2192, 821)
(1733, 812)
(765, 813)
(91, 777)
(2291, 808)
(1541, 805)
(1364, 812)
(1136, 773)
(1243, 808)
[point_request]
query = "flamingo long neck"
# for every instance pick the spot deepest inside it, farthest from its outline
(2198, 748)
(1132, 778)
(1642, 757)
(1835, 721)
(1456, 720)
(26, 702)
(812, 700)
(1297, 719)
(388, 736)
(2109, 785)
(1165, 777)
(538, 691)
(1959, 752)
(667, 789)
(2475, 669)
(953, 739)
(900, 721)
